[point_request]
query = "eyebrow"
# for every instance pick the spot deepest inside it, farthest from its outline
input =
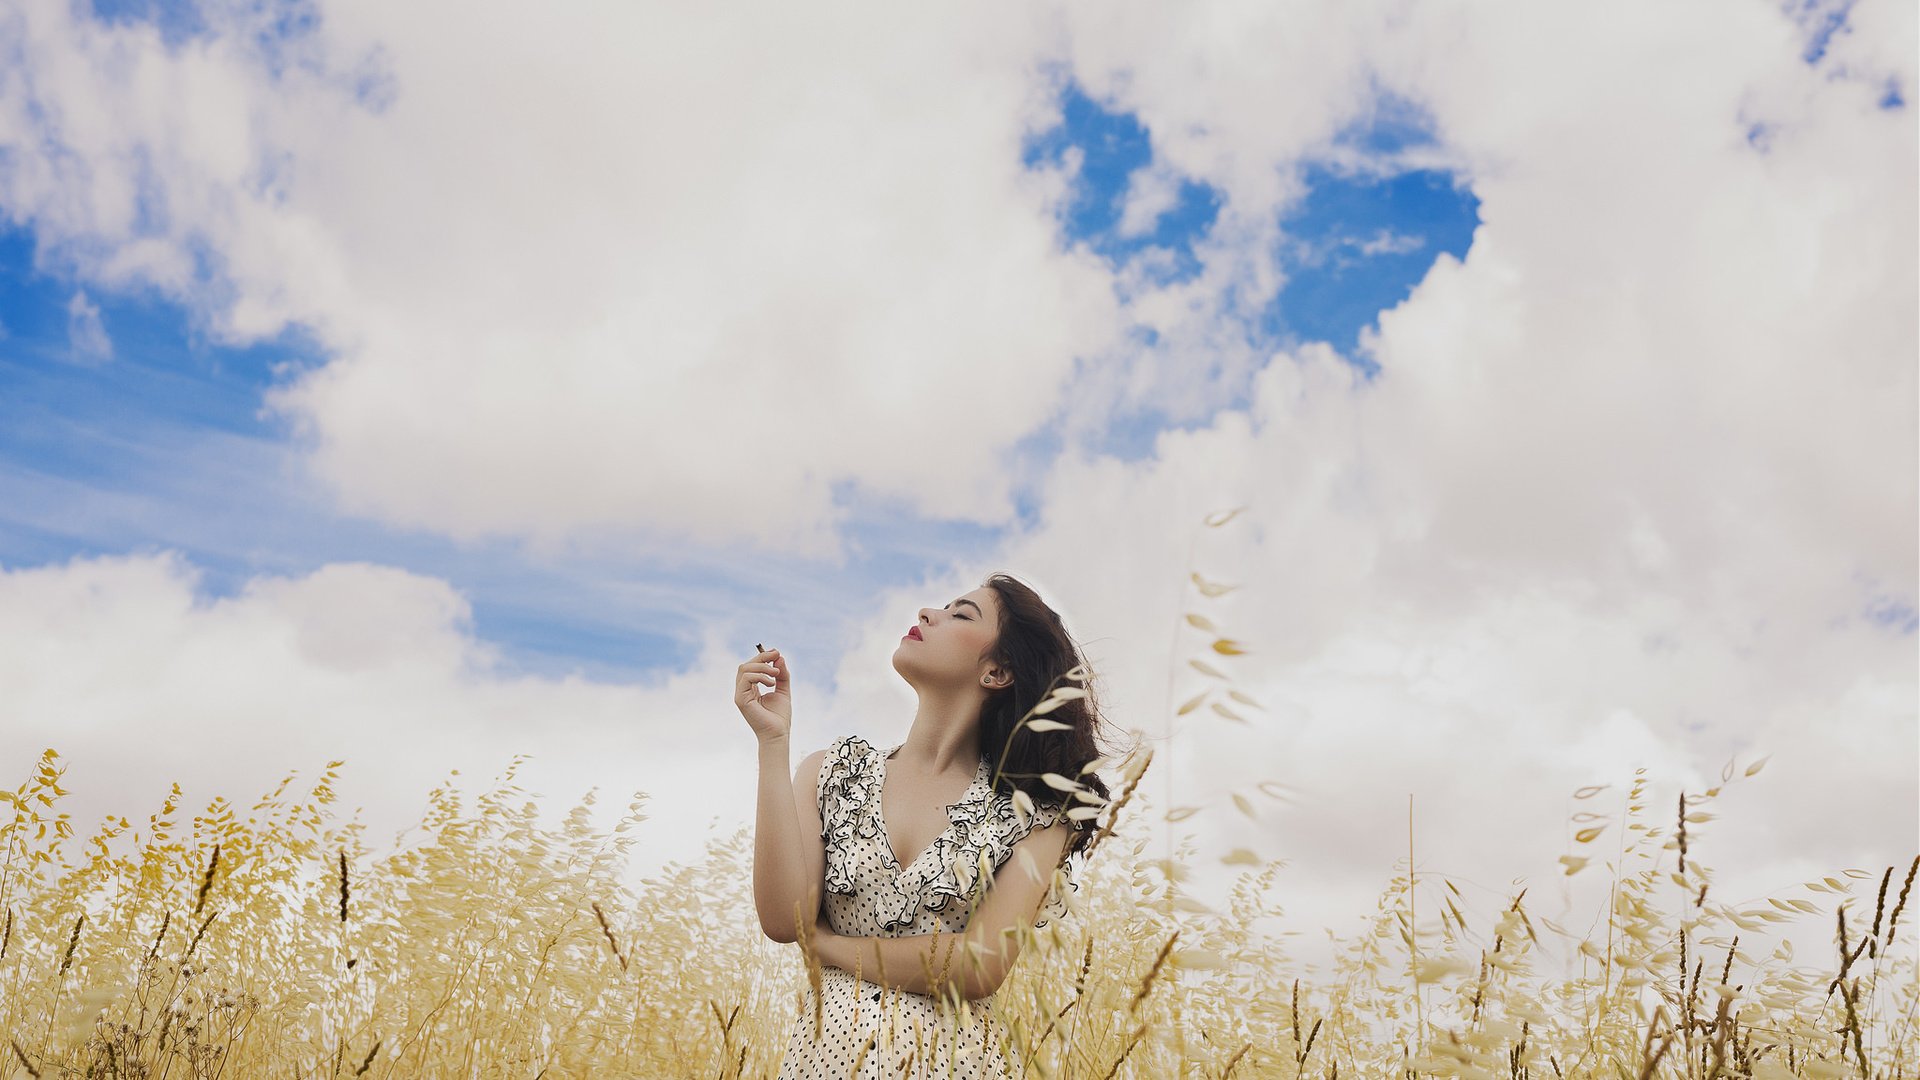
(971, 604)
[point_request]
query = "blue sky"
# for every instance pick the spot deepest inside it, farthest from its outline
(164, 443)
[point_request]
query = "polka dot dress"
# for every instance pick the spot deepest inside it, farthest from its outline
(869, 894)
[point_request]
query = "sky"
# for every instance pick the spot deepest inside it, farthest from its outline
(422, 386)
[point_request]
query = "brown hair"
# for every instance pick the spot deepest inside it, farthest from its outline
(1035, 646)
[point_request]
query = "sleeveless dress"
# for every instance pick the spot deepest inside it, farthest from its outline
(867, 893)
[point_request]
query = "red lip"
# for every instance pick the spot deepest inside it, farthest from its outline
(914, 633)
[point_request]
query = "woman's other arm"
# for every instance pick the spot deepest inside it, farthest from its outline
(975, 961)
(789, 858)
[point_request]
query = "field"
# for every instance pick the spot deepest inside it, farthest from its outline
(271, 945)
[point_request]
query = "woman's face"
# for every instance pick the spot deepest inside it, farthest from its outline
(945, 645)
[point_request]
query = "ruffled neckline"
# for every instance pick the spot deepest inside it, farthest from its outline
(976, 791)
(981, 827)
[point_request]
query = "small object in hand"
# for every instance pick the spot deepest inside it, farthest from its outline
(759, 646)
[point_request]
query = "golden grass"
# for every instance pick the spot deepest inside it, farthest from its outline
(494, 948)
(279, 945)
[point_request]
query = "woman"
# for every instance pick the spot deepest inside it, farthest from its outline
(897, 861)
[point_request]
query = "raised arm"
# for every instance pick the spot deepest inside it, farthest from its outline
(789, 859)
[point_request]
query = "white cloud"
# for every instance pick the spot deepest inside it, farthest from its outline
(672, 279)
(87, 340)
(138, 679)
(1485, 673)
(1151, 192)
(1388, 242)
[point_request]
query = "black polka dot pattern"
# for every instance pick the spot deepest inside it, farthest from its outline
(869, 894)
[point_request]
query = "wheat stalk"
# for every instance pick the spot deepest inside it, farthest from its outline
(607, 929)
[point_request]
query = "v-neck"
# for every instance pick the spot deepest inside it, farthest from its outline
(879, 800)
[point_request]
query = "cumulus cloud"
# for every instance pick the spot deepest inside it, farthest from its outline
(679, 276)
(1458, 686)
(138, 678)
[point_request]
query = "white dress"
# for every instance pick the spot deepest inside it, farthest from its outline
(869, 894)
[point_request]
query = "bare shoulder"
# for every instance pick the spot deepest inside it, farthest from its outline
(1047, 842)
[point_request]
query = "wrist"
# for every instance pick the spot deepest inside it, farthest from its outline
(826, 946)
(774, 744)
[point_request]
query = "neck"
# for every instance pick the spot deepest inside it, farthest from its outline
(945, 735)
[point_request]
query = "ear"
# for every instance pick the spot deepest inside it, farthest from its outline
(998, 679)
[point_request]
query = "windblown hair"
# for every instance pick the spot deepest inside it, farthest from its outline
(1035, 646)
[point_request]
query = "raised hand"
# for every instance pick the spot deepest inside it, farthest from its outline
(770, 715)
